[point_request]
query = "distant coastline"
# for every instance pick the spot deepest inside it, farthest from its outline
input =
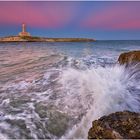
(25, 36)
(42, 39)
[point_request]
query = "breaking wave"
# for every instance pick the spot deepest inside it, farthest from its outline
(100, 91)
(63, 101)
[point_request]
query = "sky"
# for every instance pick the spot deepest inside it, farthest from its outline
(101, 20)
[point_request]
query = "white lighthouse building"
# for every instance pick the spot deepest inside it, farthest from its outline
(24, 33)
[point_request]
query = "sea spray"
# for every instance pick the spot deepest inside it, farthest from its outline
(109, 90)
(69, 99)
(50, 96)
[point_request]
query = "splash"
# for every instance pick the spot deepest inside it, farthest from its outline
(59, 97)
(100, 91)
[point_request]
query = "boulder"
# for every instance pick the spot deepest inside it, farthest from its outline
(119, 125)
(129, 57)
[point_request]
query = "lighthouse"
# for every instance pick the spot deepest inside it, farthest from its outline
(24, 33)
(23, 28)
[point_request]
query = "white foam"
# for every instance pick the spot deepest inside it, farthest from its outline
(108, 89)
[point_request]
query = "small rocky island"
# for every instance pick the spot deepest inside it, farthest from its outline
(26, 37)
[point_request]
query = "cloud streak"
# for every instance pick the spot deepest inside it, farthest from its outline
(115, 17)
(49, 15)
(84, 15)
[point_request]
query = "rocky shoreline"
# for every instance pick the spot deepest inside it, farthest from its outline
(43, 39)
(118, 125)
(129, 58)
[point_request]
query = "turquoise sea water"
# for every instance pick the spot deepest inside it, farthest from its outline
(52, 90)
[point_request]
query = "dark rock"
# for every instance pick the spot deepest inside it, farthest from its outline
(57, 123)
(129, 57)
(119, 125)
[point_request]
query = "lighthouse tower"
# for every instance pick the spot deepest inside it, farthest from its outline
(24, 33)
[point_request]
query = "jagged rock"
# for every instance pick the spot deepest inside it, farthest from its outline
(119, 125)
(129, 57)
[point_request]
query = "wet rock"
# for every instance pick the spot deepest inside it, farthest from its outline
(41, 109)
(57, 122)
(17, 102)
(129, 57)
(119, 125)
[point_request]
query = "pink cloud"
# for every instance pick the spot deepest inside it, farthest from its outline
(115, 17)
(50, 16)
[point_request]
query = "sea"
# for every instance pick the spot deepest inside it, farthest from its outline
(55, 90)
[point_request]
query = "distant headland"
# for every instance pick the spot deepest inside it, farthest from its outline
(26, 37)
